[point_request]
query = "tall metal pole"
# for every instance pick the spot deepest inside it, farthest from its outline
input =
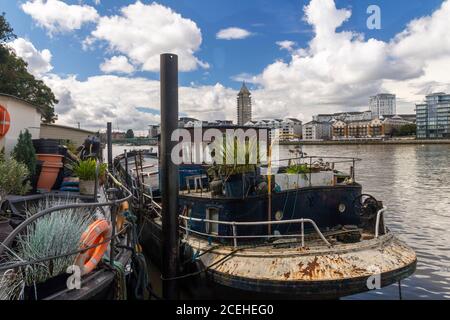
(109, 145)
(169, 174)
(114, 207)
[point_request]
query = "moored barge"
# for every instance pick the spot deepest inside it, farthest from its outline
(312, 235)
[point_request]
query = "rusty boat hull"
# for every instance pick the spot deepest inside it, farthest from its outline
(286, 270)
(311, 272)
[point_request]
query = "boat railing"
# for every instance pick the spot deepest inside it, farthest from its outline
(113, 203)
(311, 160)
(235, 224)
(339, 158)
(380, 213)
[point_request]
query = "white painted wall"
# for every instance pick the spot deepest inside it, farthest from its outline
(23, 116)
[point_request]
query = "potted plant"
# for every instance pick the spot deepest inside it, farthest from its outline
(86, 170)
(236, 169)
(298, 175)
(48, 236)
(24, 152)
(13, 177)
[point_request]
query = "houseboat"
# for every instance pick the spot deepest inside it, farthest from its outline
(306, 231)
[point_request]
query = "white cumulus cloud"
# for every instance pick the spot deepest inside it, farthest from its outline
(336, 71)
(233, 33)
(286, 45)
(119, 64)
(92, 103)
(144, 31)
(339, 70)
(39, 62)
(57, 16)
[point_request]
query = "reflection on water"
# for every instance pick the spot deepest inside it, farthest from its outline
(413, 181)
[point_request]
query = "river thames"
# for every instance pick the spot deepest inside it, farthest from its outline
(413, 181)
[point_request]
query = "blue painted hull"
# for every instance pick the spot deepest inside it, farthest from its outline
(317, 203)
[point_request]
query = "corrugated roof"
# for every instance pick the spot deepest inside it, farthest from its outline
(67, 127)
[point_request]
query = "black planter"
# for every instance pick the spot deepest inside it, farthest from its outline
(216, 187)
(62, 150)
(46, 288)
(46, 146)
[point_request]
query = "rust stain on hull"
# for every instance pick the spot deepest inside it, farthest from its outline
(339, 263)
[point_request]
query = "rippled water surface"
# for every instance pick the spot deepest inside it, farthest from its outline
(413, 181)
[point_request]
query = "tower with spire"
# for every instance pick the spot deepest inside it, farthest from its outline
(244, 105)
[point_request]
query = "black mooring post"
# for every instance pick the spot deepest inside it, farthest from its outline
(169, 174)
(114, 207)
(109, 145)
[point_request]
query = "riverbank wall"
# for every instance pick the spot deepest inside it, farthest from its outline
(367, 142)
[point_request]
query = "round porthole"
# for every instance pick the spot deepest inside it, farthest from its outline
(341, 208)
(278, 215)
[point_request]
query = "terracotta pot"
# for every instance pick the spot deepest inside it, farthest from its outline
(49, 173)
(87, 187)
(54, 158)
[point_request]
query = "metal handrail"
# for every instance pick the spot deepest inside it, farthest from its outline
(150, 197)
(377, 223)
(302, 221)
(153, 201)
(9, 239)
(349, 159)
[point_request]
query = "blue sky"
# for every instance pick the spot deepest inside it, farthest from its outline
(268, 22)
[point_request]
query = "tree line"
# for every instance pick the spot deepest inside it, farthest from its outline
(17, 81)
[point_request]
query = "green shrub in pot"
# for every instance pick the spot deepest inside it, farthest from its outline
(13, 176)
(237, 158)
(86, 170)
(24, 151)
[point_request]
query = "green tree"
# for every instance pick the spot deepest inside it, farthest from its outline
(24, 151)
(6, 32)
(405, 130)
(129, 134)
(17, 81)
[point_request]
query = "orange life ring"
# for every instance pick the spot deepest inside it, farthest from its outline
(5, 121)
(98, 232)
